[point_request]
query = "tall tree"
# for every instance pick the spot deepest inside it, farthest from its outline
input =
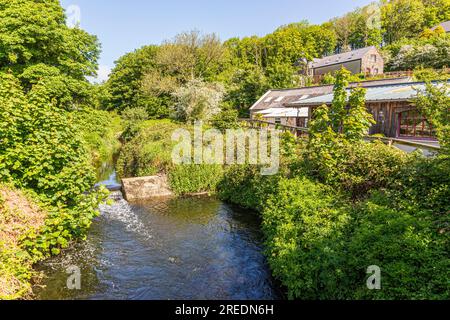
(124, 83)
(35, 41)
(402, 19)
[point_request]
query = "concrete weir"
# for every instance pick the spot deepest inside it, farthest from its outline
(146, 187)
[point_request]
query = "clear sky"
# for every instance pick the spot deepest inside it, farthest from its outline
(124, 25)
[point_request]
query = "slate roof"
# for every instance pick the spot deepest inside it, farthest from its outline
(445, 25)
(283, 97)
(341, 58)
(397, 92)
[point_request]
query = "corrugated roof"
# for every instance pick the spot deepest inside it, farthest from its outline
(341, 58)
(292, 95)
(398, 92)
(285, 113)
(445, 25)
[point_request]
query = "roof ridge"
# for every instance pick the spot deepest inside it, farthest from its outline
(327, 85)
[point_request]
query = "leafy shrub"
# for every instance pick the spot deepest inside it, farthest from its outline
(149, 152)
(100, 130)
(245, 186)
(185, 179)
(226, 119)
(304, 224)
(405, 244)
(41, 147)
(356, 168)
(424, 183)
(45, 152)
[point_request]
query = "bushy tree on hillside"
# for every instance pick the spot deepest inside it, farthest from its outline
(124, 83)
(434, 103)
(198, 101)
(35, 43)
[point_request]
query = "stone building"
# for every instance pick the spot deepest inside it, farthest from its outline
(368, 61)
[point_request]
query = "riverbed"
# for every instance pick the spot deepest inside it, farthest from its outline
(165, 249)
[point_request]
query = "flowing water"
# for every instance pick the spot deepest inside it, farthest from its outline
(185, 248)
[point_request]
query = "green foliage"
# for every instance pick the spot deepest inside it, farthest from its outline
(304, 226)
(63, 225)
(428, 74)
(15, 272)
(124, 83)
(42, 146)
(150, 151)
(243, 185)
(424, 183)
(51, 152)
(405, 245)
(347, 118)
(100, 130)
(418, 53)
(36, 45)
(226, 119)
(198, 101)
(434, 104)
(188, 179)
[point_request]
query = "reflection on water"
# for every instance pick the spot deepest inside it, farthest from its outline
(194, 248)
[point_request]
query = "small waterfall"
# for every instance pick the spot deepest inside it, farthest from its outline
(121, 211)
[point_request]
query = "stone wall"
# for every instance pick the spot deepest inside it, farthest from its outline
(146, 188)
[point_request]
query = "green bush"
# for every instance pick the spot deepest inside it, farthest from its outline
(424, 183)
(48, 152)
(405, 244)
(356, 168)
(304, 224)
(245, 186)
(150, 151)
(185, 179)
(100, 130)
(41, 146)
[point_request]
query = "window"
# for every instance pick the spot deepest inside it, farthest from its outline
(268, 99)
(278, 120)
(373, 57)
(413, 124)
(279, 99)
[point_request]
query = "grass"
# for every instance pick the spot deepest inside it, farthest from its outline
(18, 215)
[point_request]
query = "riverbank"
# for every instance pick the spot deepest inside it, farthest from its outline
(179, 248)
(19, 214)
(48, 153)
(330, 213)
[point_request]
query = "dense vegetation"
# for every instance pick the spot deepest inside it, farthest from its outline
(149, 152)
(337, 205)
(241, 70)
(51, 137)
(343, 205)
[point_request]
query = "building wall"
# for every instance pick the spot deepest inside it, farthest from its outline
(352, 66)
(371, 66)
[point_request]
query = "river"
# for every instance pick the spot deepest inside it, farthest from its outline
(165, 249)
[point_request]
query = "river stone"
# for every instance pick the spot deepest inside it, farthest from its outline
(146, 188)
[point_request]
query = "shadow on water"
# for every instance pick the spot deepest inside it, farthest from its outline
(185, 248)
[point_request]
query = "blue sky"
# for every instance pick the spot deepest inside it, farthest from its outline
(124, 25)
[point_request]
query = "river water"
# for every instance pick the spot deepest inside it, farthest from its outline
(165, 249)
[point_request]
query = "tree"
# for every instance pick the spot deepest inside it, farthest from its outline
(347, 118)
(402, 19)
(434, 103)
(436, 11)
(425, 52)
(124, 83)
(35, 43)
(191, 55)
(198, 100)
